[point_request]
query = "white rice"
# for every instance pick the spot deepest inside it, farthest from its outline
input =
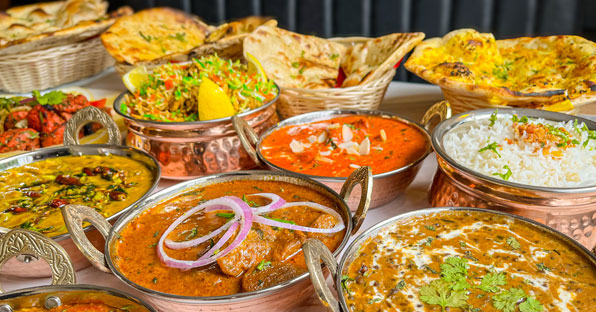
(576, 168)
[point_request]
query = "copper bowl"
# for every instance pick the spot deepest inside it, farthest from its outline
(18, 242)
(281, 297)
(187, 150)
(569, 210)
(315, 251)
(26, 265)
(388, 185)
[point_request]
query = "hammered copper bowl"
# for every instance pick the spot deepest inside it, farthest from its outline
(315, 251)
(569, 210)
(30, 266)
(18, 242)
(388, 185)
(187, 150)
(281, 297)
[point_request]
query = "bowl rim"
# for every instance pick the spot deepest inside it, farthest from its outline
(447, 125)
(171, 192)
(333, 113)
(36, 290)
(120, 99)
(351, 249)
(82, 150)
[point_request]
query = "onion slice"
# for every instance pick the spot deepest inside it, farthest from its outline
(339, 225)
(276, 202)
(242, 211)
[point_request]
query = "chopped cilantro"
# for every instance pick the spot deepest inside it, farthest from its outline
(493, 118)
(505, 176)
(333, 56)
(344, 283)
(263, 265)
(192, 233)
(492, 147)
(542, 268)
(430, 227)
(523, 119)
(455, 271)
(227, 215)
(249, 202)
(530, 305)
(147, 38)
(50, 98)
(491, 281)
(440, 293)
(513, 243)
(181, 36)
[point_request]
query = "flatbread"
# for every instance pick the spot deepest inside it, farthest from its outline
(153, 33)
(44, 25)
(293, 60)
(365, 62)
(529, 72)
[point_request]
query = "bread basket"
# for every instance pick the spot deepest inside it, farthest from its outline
(296, 101)
(48, 68)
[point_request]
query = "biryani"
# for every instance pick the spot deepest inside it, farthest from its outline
(525, 150)
(171, 91)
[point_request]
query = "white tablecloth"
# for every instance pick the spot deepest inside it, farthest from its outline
(407, 99)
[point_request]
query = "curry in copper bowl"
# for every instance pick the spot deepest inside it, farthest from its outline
(234, 237)
(462, 259)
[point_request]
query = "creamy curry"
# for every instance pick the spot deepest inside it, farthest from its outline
(33, 194)
(468, 261)
(335, 147)
(268, 256)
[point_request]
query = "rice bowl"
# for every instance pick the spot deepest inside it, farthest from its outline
(530, 151)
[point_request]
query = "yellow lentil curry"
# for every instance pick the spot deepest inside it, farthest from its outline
(468, 261)
(34, 193)
(268, 256)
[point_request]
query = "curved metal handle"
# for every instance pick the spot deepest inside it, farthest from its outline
(248, 137)
(441, 109)
(74, 215)
(314, 252)
(362, 176)
(23, 242)
(85, 116)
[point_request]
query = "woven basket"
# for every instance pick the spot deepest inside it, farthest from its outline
(43, 69)
(296, 101)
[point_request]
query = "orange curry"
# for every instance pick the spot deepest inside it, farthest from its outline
(78, 307)
(268, 256)
(335, 147)
(468, 261)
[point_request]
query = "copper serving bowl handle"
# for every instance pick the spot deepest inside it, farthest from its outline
(85, 116)
(362, 176)
(442, 110)
(74, 216)
(23, 242)
(314, 253)
(248, 138)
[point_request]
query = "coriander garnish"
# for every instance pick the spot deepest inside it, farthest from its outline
(505, 176)
(492, 147)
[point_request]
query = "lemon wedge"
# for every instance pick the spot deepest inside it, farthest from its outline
(135, 78)
(254, 66)
(214, 103)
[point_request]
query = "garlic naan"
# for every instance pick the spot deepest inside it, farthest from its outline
(153, 33)
(293, 60)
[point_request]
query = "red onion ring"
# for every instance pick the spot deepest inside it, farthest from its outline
(235, 204)
(276, 203)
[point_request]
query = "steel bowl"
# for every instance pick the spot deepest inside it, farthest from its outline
(29, 266)
(18, 242)
(388, 185)
(187, 150)
(569, 210)
(314, 252)
(281, 297)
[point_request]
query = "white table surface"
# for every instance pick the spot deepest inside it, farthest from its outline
(410, 100)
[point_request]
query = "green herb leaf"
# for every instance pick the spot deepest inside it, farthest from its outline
(146, 38)
(531, 305)
(507, 300)
(513, 243)
(249, 202)
(50, 98)
(333, 56)
(491, 281)
(181, 36)
(440, 293)
(542, 268)
(505, 176)
(227, 215)
(263, 265)
(492, 147)
(430, 227)
(344, 283)
(192, 233)
(455, 271)
(493, 118)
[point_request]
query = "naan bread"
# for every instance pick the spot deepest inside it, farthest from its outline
(293, 60)
(153, 33)
(365, 62)
(530, 72)
(43, 25)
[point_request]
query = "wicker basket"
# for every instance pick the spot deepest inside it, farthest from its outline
(43, 69)
(296, 101)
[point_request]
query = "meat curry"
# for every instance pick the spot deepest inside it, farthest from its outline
(468, 261)
(268, 256)
(34, 193)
